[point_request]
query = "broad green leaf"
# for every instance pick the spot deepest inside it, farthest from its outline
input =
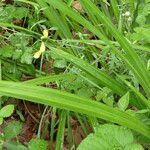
(124, 102)
(1, 120)
(85, 92)
(37, 144)
(27, 56)
(108, 137)
(139, 95)
(20, 12)
(60, 63)
(143, 12)
(6, 51)
(14, 146)
(134, 147)
(12, 129)
(141, 34)
(72, 102)
(6, 111)
(105, 96)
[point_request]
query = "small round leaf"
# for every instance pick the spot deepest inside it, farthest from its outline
(6, 111)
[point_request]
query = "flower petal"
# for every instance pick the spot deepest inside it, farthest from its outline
(45, 33)
(37, 54)
(42, 48)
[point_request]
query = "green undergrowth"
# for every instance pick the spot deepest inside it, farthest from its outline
(84, 61)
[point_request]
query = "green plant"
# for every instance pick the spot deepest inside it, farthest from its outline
(110, 137)
(37, 144)
(5, 112)
(97, 53)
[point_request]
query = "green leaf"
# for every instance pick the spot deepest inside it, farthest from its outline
(20, 12)
(141, 34)
(6, 51)
(50, 78)
(61, 131)
(101, 78)
(148, 65)
(105, 96)
(55, 19)
(17, 54)
(1, 120)
(72, 102)
(20, 28)
(27, 56)
(143, 12)
(6, 13)
(107, 137)
(124, 102)
(131, 58)
(6, 111)
(37, 144)
(14, 146)
(12, 129)
(19, 113)
(134, 147)
(85, 92)
(60, 63)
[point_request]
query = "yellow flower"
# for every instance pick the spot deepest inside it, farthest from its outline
(42, 48)
(37, 54)
(45, 33)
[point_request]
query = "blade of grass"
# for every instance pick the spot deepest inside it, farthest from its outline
(61, 129)
(28, 2)
(115, 7)
(55, 19)
(20, 28)
(137, 93)
(138, 66)
(70, 135)
(85, 130)
(75, 16)
(50, 78)
(101, 42)
(52, 128)
(102, 78)
(131, 58)
(71, 102)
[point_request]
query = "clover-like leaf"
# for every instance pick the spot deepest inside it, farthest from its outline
(37, 144)
(109, 137)
(12, 129)
(6, 111)
(124, 102)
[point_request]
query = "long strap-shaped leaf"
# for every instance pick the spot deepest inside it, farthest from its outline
(49, 78)
(132, 59)
(103, 78)
(61, 129)
(136, 64)
(55, 19)
(20, 28)
(71, 102)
